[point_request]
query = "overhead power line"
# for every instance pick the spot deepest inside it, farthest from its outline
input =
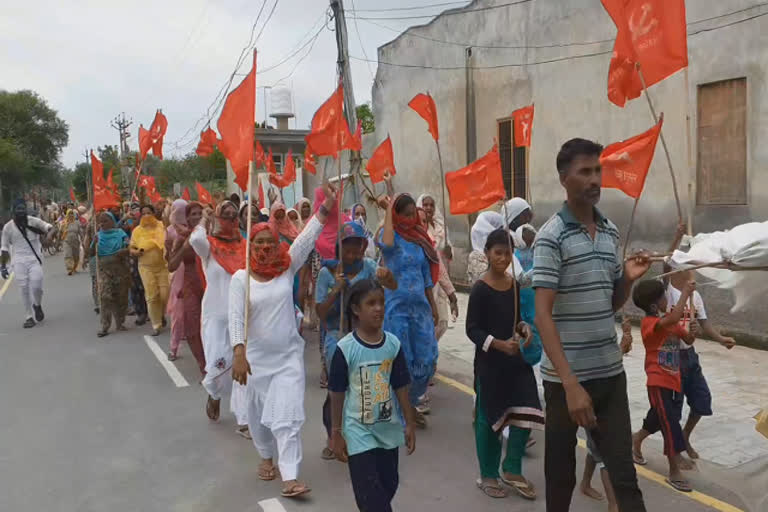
(412, 8)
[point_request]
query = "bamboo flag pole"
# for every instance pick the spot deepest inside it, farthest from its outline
(512, 251)
(248, 222)
(339, 199)
(663, 143)
(442, 188)
(691, 170)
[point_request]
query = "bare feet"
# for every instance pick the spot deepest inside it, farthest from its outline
(637, 450)
(590, 492)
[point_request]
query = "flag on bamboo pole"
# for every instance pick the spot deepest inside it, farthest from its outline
(289, 173)
(260, 157)
(329, 127)
(381, 162)
(269, 163)
(236, 126)
(102, 197)
(262, 203)
(651, 33)
(145, 141)
(157, 132)
(203, 196)
(186, 195)
(208, 140)
(310, 164)
(72, 194)
(523, 120)
(625, 164)
(476, 186)
(112, 187)
(424, 105)
(147, 182)
(353, 141)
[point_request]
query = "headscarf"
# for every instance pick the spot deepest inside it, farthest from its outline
(284, 226)
(269, 260)
(486, 223)
(69, 218)
(178, 216)
(227, 246)
(517, 236)
(327, 240)
(111, 240)
(368, 233)
(513, 208)
(296, 223)
(149, 234)
(412, 230)
(300, 204)
(437, 226)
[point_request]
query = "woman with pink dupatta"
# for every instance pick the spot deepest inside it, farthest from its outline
(187, 282)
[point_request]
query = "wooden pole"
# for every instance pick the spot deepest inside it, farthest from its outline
(339, 202)
(691, 170)
(512, 251)
(663, 143)
(248, 221)
(528, 176)
(442, 189)
(628, 239)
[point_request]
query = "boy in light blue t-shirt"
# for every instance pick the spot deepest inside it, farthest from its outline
(368, 372)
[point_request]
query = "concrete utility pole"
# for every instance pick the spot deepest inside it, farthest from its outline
(88, 176)
(121, 124)
(342, 43)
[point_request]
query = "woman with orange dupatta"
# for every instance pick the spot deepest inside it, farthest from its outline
(187, 282)
(222, 254)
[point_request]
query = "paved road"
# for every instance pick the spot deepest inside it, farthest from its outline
(94, 424)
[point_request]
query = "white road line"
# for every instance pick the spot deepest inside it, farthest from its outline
(272, 505)
(173, 372)
(5, 286)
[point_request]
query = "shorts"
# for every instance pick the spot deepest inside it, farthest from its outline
(592, 451)
(664, 416)
(694, 384)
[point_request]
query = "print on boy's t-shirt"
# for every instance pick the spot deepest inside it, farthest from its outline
(375, 392)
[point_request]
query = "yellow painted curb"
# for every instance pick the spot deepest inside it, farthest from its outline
(5, 286)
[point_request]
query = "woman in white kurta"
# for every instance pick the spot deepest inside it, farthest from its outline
(221, 254)
(270, 360)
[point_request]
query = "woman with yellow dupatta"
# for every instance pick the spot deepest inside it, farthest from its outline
(148, 244)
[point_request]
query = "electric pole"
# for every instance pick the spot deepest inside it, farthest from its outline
(121, 124)
(88, 176)
(342, 43)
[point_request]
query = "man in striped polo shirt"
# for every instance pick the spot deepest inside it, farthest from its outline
(580, 283)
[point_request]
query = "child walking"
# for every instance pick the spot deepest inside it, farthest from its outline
(662, 335)
(367, 369)
(505, 384)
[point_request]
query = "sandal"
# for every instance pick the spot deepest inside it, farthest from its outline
(267, 471)
(295, 489)
(680, 485)
(491, 490)
(212, 408)
(101, 334)
(172, 356)
(29, 323)
(638, 459)
(244, 431)
(420, 420)
(524, 488)
(327, 454)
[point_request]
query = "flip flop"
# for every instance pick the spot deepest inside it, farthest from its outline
(524, 489)
(680, 485)
(327, 454)
(491, 490)
(639, 459)
(267, 474)
(295, 490)
(244, 432)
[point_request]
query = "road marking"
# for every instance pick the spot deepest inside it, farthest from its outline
(5, 286)
(272, 505)
(641, 470)
(173, 372)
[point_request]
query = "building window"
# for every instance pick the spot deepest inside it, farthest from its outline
(513, 169)
(722, 143)
(278, 160)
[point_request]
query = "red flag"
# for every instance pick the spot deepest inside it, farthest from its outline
(476, 186)
(270, 164)
(523, 118)
(208, 140)
(72, 194)
(186, 195)
(112, 187)
(260, 158)
(625, 164)
(289, 173)
(329, 128)
(145, 141)
(262, 204)
(157, 132)
(236, 126)
(147, 182)
(424, 105)
(652, 33)
(353, 142)
(382, 161)
(310, 164)
(203, 196)
(102, 197)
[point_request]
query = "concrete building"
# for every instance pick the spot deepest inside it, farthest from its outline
(483, 61)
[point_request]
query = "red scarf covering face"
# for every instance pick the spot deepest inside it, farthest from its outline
(227, 246)
(412, 230)
(284, 226)
(269, 261)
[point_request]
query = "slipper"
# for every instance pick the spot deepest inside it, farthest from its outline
(267, 474)
(244, 432)
(172, 356)
(639, 459)
(524, 489)
(212, 408)
(101, 334)
(680, 485)
(492, 491)
(327, 454)
(296, 489)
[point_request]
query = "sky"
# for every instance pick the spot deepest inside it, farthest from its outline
(93, 60)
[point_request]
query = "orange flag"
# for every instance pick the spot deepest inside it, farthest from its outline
(236, 126)
(354, 141)
(186, 195)
(651, 33)
(476, 186)
(329, 128)
(157, 132)
(208, 140)
(289, 173)
(112, 187)
(260, 158)
(262, 204)
(270, 164)
(523, 119)
(625, 164)
(382, 161)
(310, 164)
(72, 194)
(102, 197)
(424, 105)
(145, 141)
(203, 196)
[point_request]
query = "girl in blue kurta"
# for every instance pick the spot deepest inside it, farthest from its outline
(411, 313)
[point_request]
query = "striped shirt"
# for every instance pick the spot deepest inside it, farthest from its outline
(583, 271)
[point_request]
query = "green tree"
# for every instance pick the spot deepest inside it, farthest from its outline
(365, 114)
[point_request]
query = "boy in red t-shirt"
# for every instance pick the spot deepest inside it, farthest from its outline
(661, 336)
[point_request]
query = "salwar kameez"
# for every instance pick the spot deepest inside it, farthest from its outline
(72, 246)
(113, 292)
(275, 352)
